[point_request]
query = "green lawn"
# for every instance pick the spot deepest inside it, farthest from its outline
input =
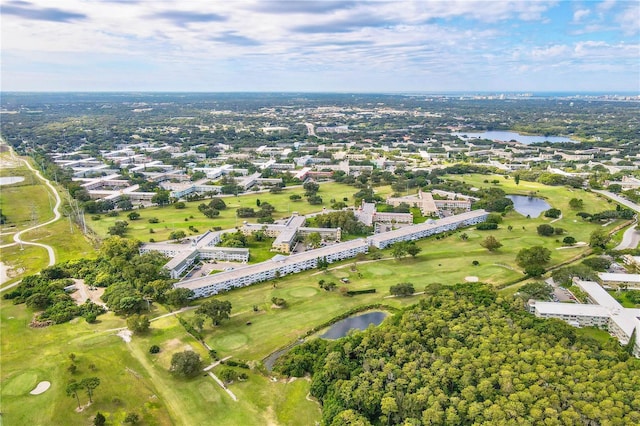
(134, 380)
(181, 219)
(23, 261)
(33, 355)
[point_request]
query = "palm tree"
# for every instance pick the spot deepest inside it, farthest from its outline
(72, 390)
(90, 383)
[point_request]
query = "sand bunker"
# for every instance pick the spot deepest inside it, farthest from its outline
(41, 388)
(125, 335)
(471, 279)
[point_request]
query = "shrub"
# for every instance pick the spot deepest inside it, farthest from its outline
(154, 349)
(545, 230)
(486, 226)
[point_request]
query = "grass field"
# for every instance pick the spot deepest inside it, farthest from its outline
(33, 355)
(181, 219)
(135, 380)
(26, 204)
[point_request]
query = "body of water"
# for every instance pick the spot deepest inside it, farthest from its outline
(505, 136)
(360, 322)
(528, 206)
(8, 180)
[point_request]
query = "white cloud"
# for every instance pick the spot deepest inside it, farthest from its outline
(579, 14)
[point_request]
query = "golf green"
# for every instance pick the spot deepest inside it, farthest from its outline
(303, 292)
(230, 342)
(21, 384)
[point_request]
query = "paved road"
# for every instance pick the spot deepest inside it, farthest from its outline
(619, 199)
(631, 237)
(17, 237)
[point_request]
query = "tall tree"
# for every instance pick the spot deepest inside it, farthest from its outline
(89, 384)
(185, 364)
(491, 243)
(72, 390)
(215, 310)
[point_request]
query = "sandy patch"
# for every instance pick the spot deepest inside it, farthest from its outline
(471, 279)
(41, 388)
(4, 273)
(125, 335)
(84, 292)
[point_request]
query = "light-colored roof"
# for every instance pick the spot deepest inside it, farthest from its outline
(408, 230)
(623, 278)
(270, 264)
(598, 294)
(556, 308)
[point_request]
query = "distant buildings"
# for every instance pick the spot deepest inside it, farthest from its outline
(430, 206)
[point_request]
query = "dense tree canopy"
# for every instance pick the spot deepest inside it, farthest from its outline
(463, 356)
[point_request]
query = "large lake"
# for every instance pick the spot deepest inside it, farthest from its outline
(512, 136)
(360, 322)
(528, 206)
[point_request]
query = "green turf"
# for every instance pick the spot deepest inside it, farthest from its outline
(33, 355)
(174, 219)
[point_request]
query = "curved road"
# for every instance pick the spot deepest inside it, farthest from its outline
(631, 237)
(17, 237)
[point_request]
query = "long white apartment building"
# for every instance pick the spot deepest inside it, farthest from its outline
(277, 267)
(428, 228)
(202, 247)
(603, 311)
(283, 265)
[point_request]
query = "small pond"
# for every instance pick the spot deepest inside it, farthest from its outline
(8, 180)
(512, 136)
(528, 206)
(360, 322)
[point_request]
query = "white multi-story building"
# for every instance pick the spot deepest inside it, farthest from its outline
(277, 267)
(287, 233)
(202, 247)
(603, 312)
(283, 265)
(426, 229)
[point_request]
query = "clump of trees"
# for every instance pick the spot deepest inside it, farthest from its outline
(46, 293)
(533, 260)
(491, 243)
(215, 310)
(185, 364)
(345, 220)
(402, 289)
(403, 248)
(464, 356)
(553, 213)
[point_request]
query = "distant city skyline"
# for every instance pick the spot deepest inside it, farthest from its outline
(321, 46)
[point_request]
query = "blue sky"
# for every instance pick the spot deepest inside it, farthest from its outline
(305, 45)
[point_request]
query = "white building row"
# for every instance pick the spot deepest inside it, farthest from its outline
(602, 312)
(283, 265)
(277, 267)
(428, 228)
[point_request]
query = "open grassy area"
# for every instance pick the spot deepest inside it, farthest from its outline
(140, 382)
(25, 203)
(67, 240)
(33, 355)
(23, 261)
(172, 219)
